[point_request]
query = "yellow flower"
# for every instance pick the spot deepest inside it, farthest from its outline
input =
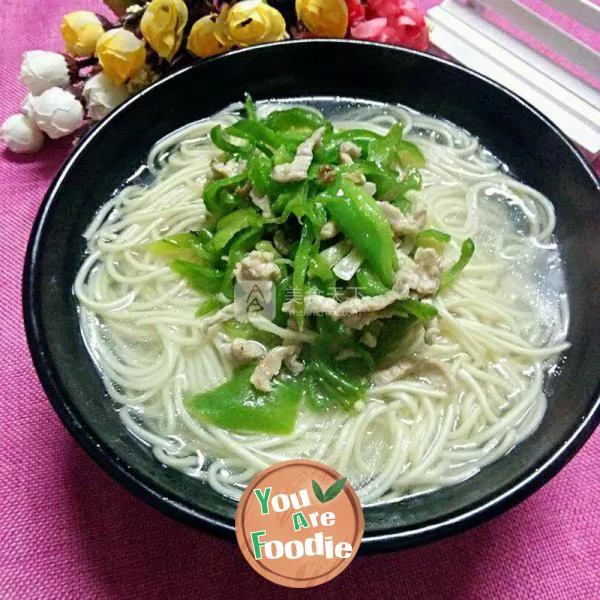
(121, 54)
(81, 30)
(326, 18)
(162, 25)
(249, 22)
(202, 40)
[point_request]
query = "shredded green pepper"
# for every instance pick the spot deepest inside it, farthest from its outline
(301, 263)
(237, 406)
(466, 252)
(362, 222)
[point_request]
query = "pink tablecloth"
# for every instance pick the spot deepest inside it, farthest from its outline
(68, 531)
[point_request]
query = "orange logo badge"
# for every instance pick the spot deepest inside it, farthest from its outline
(299, 523)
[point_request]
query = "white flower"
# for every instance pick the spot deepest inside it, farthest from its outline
(26, 107)
(57, 112)
(21, 134)
(102, 95)
(42, 70)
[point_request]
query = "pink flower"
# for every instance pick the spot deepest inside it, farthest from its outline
(356, 11)
(393, 22)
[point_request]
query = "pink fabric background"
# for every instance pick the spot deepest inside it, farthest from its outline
(67, 531)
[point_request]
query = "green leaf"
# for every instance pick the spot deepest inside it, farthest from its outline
(318, 491)
(335, 488)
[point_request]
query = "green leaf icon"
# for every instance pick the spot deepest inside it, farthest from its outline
(318, 491)
(333, 490)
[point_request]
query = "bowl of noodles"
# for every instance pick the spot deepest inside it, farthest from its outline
(375, 259)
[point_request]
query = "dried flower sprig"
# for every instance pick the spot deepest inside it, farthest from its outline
(106, 61)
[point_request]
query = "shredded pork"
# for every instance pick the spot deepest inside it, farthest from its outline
(402, 224)
(348, 152)
(329, 231)
(421, 274)
(297, 170)
(271, 364)
(261, 202)
(231, 168)
(258, 265)
(244, 351)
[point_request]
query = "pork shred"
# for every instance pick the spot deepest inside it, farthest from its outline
(403, 224)
(243, 351)
(329, 230)
(261, 202)
(422, 274)
(270, 366)
(348, 152)
(231, 168)
(258, 265)
(359, 179)
(297, 170)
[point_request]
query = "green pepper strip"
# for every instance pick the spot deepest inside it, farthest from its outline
(297, 118)
(216, 136)
(466, 252)
(238, 329)
(362, 222)
(329, 153)
(202, 278)
(250, 107)
(393, 332)
(427, 235)
(212, 190)
(259, 174)
(368, 282)
(237, 406)
(420, 310)
(393, 150)
(208, 306)
(301, 262)
(244, 242)
(320, 268)
(261, 136)
(233, 223)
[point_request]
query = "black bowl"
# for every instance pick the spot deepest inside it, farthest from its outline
(536, 151)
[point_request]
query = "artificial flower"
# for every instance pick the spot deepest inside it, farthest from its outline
(121, 54)
(325, 18)
(249, 22)
(81, 30)
(162, 26)
(356, 11)
(21, 134)
(26, 107)
(119, 7)
(143, 78)
(56, 112)
(202, 40)
(102, 95)
(394, 22)
(41, 70)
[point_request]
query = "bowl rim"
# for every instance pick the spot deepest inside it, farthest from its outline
(167, 503)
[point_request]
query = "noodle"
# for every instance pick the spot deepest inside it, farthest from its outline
(496, 333)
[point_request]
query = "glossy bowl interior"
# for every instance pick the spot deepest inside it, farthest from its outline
(537, 153)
